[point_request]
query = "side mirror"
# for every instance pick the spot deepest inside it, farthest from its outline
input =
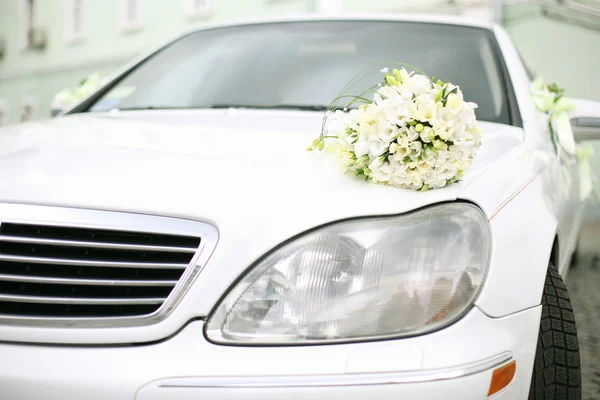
(56, 108)
(585, 120)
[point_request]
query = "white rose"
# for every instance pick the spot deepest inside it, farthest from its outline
(380, 171)
(445, 117)
(445, 133)
(414, 150)
(415, 179)
(367, 130)
(412, 134)
(399, 176)
(454, 103)
(397, 115)
(426, 134)
(426, 111)
(377, 147)
(424, 167)
(361, 147)
(386, 132)
(428, 155)
(400, 154)
(417, 84)
(436, 181)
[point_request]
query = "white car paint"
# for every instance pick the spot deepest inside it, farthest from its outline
(258, 194)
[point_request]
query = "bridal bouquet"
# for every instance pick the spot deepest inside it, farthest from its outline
(87, 86)
(415, 132)
(550, 99)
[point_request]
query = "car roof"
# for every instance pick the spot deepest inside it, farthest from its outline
(398, 17)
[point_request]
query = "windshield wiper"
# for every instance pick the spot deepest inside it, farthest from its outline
(302, 107)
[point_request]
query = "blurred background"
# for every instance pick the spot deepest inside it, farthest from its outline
(48, 45)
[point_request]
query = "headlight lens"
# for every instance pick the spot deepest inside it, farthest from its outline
(361, 279)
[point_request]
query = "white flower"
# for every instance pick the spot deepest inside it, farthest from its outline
(386, 131)
(377, 147)
(455, 103)
(427, 134)
(426, 111)
(361, 147)
(344, 157)
(384, 70)
(390, 93)
(400, 154)
(418, 84)
(445, 133)
(416, 179)
(398, 115)
(381, 171)
(414, 150)
(411, 133)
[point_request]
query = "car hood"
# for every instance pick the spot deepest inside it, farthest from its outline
(246, 172)
(244, 167)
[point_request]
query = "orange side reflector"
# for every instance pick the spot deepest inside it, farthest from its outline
(502, 377)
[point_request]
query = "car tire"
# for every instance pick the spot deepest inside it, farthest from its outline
(557, 367)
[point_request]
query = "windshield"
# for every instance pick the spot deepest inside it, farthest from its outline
(305, 65)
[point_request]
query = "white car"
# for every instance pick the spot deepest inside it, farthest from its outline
(169, 237)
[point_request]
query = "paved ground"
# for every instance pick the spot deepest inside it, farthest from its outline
(583, 283)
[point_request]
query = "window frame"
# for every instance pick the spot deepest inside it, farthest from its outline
(127, 24)
(192, 11)
(71, 36)
(29, 19)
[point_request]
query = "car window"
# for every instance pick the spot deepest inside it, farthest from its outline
(307, 64)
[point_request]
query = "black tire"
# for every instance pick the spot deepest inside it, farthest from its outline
(557, 368)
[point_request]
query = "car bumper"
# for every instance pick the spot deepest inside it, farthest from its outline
(454, 363)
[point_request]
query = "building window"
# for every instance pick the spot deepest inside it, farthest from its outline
(330, 6)
(32, 34)
(199, 8)
(3, 112)
(131, 15)
(75, 20)
(28, 108)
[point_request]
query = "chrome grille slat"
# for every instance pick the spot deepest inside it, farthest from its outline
(99, 245)
(78, 300)
(84, 282)
(74, 267)
(89, 263)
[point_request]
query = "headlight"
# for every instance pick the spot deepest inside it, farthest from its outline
(362, 279)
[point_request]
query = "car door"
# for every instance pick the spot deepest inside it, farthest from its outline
(574, 206)
(564, 193)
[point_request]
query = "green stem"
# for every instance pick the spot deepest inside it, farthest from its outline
(552, 133)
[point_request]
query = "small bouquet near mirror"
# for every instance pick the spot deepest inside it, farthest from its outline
(68, 97)
(408, 131)
(550, 99)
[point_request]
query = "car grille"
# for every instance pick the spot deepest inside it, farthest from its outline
(79, 272)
